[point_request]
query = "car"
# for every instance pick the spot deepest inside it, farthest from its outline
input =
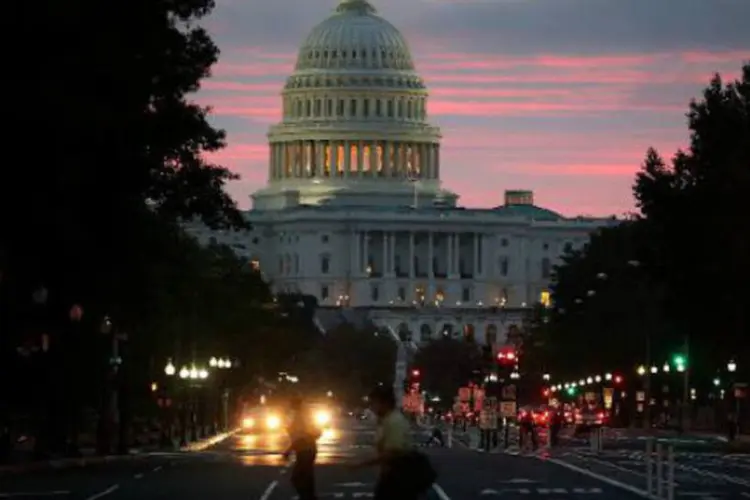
(541, 415)
(589, 418)
(322, 416)
(262, 420)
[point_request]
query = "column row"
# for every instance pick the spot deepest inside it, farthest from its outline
(418, 254)
(307, 159)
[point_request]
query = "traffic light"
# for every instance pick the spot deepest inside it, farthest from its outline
(618, 379)
(546, 392)
(570, 390)
(680, 362)
(415, 373)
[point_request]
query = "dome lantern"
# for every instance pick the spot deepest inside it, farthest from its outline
(359, 6)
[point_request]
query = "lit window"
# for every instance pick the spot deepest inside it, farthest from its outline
(545, 298)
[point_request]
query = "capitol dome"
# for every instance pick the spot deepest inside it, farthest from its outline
(354, 129)
(355, 37)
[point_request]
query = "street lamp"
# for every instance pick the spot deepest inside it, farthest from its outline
(170, 369)
(732, 366)
(665, 368)
(641, 370)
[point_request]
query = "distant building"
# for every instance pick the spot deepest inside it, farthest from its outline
(354, 211)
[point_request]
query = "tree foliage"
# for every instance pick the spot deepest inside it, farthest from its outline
(123, 153)
(607, 310)
(696, 207)
(447, 364)
(689, 245)
(112, 159)
(348, 361)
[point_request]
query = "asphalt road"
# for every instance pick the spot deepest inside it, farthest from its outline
(635, 440)
(697, 475)
(247, 467)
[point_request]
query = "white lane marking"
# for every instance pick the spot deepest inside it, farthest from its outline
(138, 476)
(603, 479)
(745, 494)
(269, 491)
(33, 494)
(157, 468)
(440, 492)
(104, 493)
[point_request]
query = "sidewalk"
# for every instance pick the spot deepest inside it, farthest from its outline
(89, 456)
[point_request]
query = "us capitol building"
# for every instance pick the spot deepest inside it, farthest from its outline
(354, 212)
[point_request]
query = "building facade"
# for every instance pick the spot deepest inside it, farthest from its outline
(354, 211)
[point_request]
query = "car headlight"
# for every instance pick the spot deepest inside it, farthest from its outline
(248, 423)
(273, 422)
(322, 418)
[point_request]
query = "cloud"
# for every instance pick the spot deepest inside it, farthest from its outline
(560, 96)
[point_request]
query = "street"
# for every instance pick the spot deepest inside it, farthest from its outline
(250, 467)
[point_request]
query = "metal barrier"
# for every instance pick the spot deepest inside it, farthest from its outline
(659, 470)
(596, 439)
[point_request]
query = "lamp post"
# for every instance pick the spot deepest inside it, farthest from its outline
(223, 364)
(732, 368)
(194, 375)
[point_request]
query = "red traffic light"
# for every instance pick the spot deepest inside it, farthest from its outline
(545, 393)
(415, 373)
(618, 379)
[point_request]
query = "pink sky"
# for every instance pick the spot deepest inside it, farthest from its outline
(573, 125)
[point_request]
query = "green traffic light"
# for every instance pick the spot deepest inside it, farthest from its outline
(571, 391)
(679, 360)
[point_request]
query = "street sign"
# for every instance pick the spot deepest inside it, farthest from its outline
(464, 394)
(608, 394)
(508, 409)
(509, 392)
(489, 404)
(488, 420)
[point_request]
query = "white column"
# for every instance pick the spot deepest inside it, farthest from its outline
(457, 254)
(411, 254)
(334, 158)
(476, 255)
(430, 256)
(387, 147)
(384, 269)
(436, 160)
(357, 260)
(424, 166)
(360, 158)
(449, 256)
(431, 160)
(320, 153)
(347, 157)
(392, 266)
(365, 251)
(373, 158)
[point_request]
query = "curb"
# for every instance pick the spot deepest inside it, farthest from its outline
(66, 463)
(204, 444)
(134, 454)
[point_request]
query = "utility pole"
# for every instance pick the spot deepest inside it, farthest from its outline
(647, 384)
(686, 385)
